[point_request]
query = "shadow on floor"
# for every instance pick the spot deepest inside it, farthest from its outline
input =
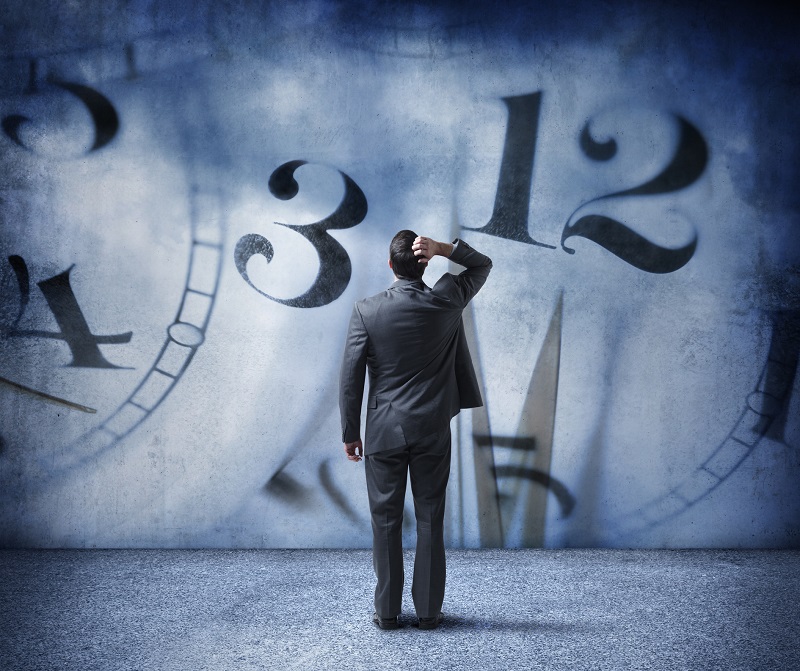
(453, 622)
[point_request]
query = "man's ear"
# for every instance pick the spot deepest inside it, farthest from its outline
(390, 264)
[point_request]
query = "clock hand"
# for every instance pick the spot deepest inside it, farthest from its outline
(47, 397)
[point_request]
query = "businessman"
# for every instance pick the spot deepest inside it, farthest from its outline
(411, 339)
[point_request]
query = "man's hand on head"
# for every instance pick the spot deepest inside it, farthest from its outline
(354, 451)
(427, 248)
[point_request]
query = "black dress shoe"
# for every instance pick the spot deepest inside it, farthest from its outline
(430, 622)
(385, 622)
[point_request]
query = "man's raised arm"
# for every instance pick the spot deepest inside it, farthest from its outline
(477, 265)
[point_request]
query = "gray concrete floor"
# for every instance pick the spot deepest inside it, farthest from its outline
(310, 609)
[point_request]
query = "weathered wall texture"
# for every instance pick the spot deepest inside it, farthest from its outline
(632, 173)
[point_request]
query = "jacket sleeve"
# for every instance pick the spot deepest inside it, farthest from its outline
(478, 266)
(351, 378)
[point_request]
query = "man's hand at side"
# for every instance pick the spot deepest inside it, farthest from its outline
(354, 451)
(426, 249)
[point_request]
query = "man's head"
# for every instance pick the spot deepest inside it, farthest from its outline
(402, 260)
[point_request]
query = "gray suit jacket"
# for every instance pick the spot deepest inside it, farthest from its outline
(411, 338)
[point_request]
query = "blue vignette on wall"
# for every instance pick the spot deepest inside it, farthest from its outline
(190, 203)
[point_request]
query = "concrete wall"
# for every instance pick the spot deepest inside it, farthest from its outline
(633, 173)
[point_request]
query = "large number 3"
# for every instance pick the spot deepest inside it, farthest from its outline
(334, 263)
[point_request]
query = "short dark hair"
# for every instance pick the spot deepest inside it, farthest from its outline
(404, 263)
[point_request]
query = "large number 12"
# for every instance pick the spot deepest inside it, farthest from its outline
(512, 200)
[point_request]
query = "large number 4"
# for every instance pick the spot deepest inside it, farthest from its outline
(75, 332)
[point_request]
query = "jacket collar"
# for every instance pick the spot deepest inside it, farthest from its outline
(404, 283)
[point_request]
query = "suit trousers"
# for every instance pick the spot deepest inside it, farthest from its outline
(428, 462)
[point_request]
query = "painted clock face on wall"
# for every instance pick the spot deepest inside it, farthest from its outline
(119, 191)
(188, 214)
(112, 256)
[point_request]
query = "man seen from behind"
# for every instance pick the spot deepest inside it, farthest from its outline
(411, 339)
